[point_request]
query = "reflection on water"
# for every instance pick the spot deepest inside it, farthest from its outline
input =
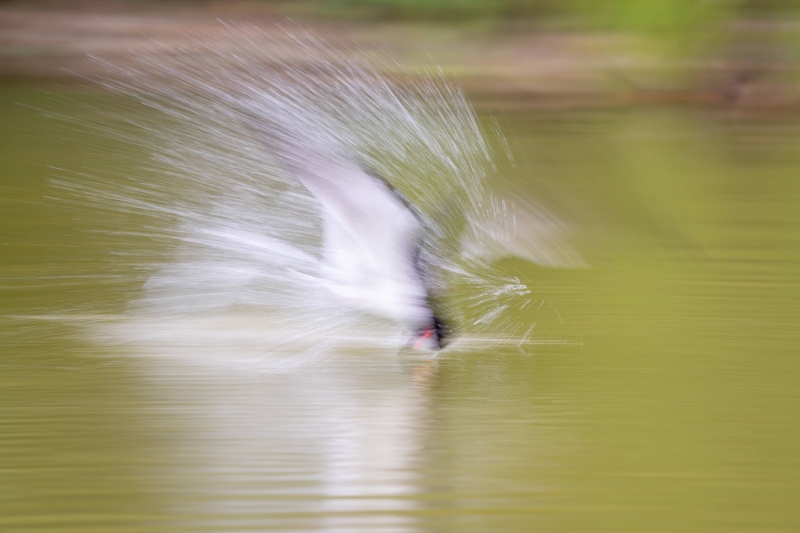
(675, 411)
(308, 449)
(367, 441)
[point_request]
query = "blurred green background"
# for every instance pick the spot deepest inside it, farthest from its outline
(665, 131)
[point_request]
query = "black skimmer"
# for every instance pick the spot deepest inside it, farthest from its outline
(372, 237)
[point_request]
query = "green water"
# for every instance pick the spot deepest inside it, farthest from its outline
(673, 408)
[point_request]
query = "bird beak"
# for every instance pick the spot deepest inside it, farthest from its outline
(428, 334)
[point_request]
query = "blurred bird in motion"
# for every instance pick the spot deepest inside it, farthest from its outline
(281, 182)
(372, 237)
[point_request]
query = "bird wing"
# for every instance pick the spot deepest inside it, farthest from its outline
(371, 236)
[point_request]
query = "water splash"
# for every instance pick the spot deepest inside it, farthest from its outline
(243, 234)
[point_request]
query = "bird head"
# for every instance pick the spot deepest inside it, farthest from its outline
(431, 336)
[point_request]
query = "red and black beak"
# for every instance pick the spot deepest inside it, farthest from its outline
(433, 334)
(426, 334)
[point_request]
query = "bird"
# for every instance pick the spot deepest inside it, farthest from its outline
(372, 237)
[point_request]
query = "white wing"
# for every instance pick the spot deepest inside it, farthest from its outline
(370, 237)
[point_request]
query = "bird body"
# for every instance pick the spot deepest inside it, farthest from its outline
(371, 242)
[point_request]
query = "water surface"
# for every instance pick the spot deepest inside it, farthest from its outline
(658, 392)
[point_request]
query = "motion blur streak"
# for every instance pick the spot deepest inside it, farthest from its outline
(245, 236)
